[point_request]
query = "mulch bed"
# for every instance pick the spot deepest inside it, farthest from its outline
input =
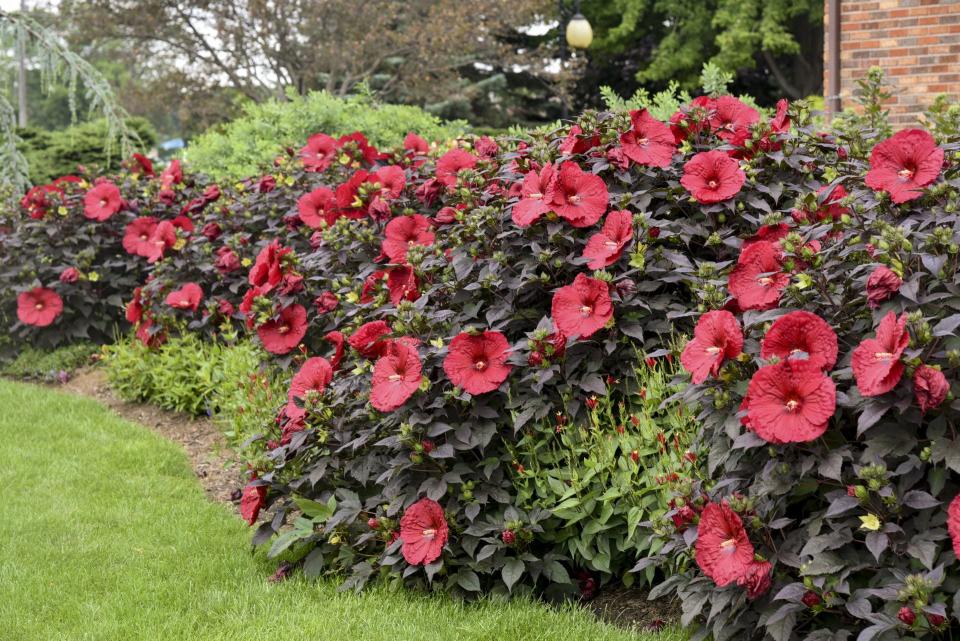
(221, 477)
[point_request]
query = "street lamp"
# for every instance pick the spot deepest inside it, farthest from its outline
(578, 34)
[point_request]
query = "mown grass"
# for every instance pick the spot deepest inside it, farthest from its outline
(105, 535)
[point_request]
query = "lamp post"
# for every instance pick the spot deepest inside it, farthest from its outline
(578, 35)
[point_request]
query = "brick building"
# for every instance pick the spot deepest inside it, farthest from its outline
(915, 42)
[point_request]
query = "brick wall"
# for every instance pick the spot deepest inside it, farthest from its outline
(915, 42)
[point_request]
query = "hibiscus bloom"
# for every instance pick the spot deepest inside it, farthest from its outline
(164, 237)
(731, 120)
(550, 348)
(693, 119)
(396, 376)
(605, 247)
(536, 196)
(478, 363)
(384, 185)
(451, 163)
(882, 284)
(578, 143)
(134, 309)
(356, 149)
(423, 530)
(143, 165)
(313, 376)
(930, 387)
(724, 551)
(790, 402)
(70, 275)
(876, 361)
(402, 284)
(580, 197)
(319, 152)
(758, 278)
(187, 297)
(953, 524)
(801, 335)
(39, 307)
(267, 270)
(227, 260)
(404, 232)
(904, 164)
(136, 236)
(648, 142)
(252, 500)
(583, 307)
(284, 333)
(172, 174)
(102, 201)
(318, 207)
(35, 201)
(368, 339)
(756, 579)
(716, 338)
(337, 339)
(326, 302)
(767, 234)
(415, 146)
(712, 177)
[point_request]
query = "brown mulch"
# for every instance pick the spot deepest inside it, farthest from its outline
(629, 608)
(211, 460)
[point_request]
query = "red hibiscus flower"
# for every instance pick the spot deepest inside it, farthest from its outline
(716, 338)
(423, 530)
(904, 164)
(767, 234)
(829, 206)
(36, 202)
(451, 163)
(172, 174)
(478, 363)
(693, 119)
(70, 275)
(790, 402)
(164, 237)
(580, 197)
(267, 270)
(102, 201)
(313, 376)
(536, 196)
(930, 387)
(578, 143)
(724, 551)
(549, 348)
(402, 283)
(319, 152)
(882, 284)
(402, 233)
(326, 302)
(136, 236)
(143, 165)
(187, 297)
(284, 333)
(368, 339)
(338, 340)
(253, 499)
(605, 247)
(396, 376)
(712, 177)
(756, 579)
(39, 307)
(953, 524)
(648, 142)
(356, 149)
(134, 309)
(317, 208)
(731, 120)
(415, 146)
(227, 260)
(582, 308)
(758, 278)
(801, 335)
(876, 361)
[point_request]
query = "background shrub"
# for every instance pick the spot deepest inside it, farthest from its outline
(248, 145)
(51, 365)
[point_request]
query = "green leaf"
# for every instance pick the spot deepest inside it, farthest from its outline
(313, 564)
(319, 512)
(284, 541)
(468, 580)
(512, 571)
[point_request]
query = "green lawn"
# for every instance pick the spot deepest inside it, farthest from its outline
(104, 534)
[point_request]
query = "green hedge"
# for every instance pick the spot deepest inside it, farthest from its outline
(244, 147)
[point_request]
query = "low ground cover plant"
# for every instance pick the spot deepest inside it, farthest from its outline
(442, 313)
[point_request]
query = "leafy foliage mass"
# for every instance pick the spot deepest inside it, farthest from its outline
(476, 357)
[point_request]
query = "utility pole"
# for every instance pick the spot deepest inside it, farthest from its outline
(22, 74)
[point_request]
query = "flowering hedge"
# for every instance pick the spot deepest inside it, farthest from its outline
(438, 311)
